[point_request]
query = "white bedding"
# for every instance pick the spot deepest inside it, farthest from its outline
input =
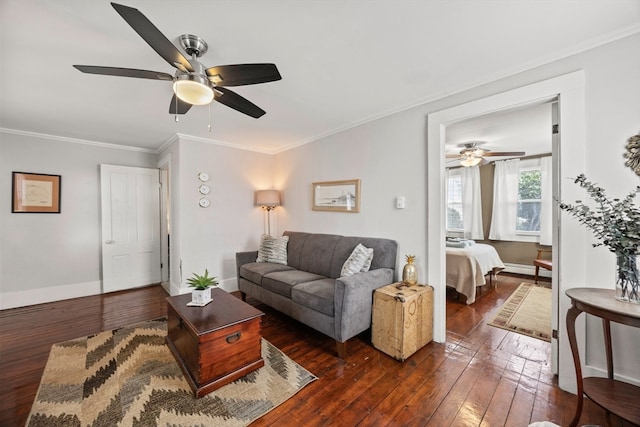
(466, 268)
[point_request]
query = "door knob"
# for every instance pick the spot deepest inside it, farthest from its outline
(110, 242)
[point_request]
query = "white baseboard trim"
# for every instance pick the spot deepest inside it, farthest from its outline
(525, 269)
(229, 285)
(78, 290)
(594, 371)
(49, 294)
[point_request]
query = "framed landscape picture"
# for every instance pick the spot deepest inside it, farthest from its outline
(337, 196)
(35, 193)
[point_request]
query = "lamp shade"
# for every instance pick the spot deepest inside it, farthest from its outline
(268, 198)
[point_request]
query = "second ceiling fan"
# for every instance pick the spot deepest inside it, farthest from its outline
(193, 84)
(472, 154)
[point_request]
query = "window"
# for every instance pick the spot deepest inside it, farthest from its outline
(454, 203)
(522, 204)
(529, 201)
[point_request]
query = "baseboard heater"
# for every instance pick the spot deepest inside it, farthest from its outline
(525, 269)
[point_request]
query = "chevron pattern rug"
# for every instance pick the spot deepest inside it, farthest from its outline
(128, 377)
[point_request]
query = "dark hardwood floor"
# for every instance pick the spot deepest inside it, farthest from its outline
(482, 376)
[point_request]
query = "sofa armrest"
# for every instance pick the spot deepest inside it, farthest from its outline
(244, 258)
(354, 299)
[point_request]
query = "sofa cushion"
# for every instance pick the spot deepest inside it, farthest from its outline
(317, 295)
(255, 271)
(294, 247)
(317, 253)
(273, 249)
(281, 282)
(358, 262)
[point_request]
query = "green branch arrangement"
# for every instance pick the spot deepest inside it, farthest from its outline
(616, 223)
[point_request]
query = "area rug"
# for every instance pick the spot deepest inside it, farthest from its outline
(128, 377)
(527, 311)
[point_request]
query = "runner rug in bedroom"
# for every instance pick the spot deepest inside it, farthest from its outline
(527, 311)
(128, 377)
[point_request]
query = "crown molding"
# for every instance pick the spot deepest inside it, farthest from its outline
(76, 140)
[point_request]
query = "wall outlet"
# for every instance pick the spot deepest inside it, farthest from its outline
(400, 202)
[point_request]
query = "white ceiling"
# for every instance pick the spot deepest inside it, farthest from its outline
(343, 62)
(527, 129)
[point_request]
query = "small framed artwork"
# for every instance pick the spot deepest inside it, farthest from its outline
(337, 196)
(35, 193)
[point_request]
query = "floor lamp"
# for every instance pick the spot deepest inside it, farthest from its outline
(268, 200)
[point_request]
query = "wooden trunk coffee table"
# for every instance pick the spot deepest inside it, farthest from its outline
(214, 344)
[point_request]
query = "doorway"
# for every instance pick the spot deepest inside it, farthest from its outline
(528, 130)
(569, 89)
(164, 166)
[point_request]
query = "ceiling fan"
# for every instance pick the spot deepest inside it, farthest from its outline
(472, 155)
(193, 84)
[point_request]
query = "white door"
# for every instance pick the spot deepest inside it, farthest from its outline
(130, 227)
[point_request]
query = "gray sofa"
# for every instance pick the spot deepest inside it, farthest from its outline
(309, 287)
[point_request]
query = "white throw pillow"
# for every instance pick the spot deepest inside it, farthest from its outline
(273, 249)
(358, 262)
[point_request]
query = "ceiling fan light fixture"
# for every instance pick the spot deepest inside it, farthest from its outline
(467, 162)
(193, 89)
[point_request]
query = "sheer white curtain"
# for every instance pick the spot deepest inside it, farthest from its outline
(505, 200)
(546, 201)
(472, 203)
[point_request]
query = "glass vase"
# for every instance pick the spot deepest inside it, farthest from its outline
(628, 278)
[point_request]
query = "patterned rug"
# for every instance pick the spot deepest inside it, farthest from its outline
(527, 312)
(128, 377)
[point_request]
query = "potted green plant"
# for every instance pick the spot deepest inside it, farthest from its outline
(616, 223)
(201, 294)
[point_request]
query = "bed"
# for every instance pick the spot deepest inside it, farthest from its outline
(467, 268)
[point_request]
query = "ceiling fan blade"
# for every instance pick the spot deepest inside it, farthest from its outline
(452, 156)
(152, 35)
(178, 106)
(243, 74)
(237, 102)
(124, 72)
(503, 153)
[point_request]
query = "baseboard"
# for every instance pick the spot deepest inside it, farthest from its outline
(229, 285)
(594, 371)
(49, 294)
(529, 270)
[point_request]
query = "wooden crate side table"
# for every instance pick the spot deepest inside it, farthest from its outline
(215, 344)
(614, 396)
(402, 319)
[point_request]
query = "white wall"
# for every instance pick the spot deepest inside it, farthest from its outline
(384, 155)
(208, 238)
(46, 257)
(389, 156)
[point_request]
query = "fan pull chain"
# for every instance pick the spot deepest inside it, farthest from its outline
(176, 98)
(209, 127)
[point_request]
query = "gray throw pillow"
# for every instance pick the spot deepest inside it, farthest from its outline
(273, 249)
(358, 262)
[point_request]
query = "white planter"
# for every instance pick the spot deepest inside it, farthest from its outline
(201, 297)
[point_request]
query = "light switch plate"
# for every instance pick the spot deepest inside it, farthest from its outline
(400, 202)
